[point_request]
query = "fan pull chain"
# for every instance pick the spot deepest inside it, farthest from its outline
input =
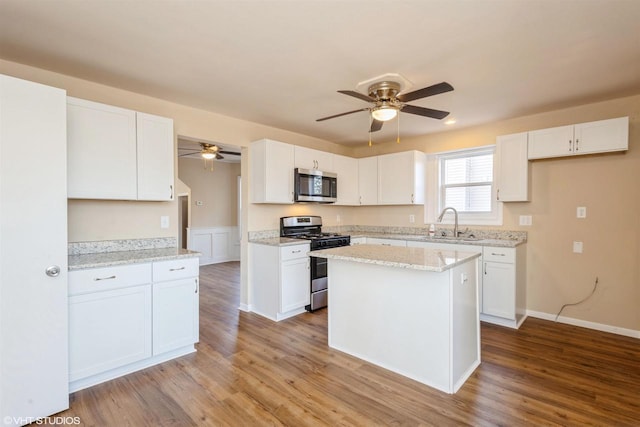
(370, 123)
(398, 136)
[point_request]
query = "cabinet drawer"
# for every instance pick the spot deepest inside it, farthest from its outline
(293, 252)
(175, 269)
(106, 278)
(499, 254)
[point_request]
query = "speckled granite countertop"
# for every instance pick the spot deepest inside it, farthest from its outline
(278, 241)
(400, 257)
(505, 243)
(106, 253)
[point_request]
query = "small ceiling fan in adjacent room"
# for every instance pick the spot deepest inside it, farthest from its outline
(387, 101)
(207, 152)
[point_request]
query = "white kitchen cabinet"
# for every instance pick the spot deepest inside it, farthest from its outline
(108, 329)
(101, 151)
(401, 178)
(280, 280)
(155, 157)
(308, 158)
(118, 154)
(347, 170)
(34, 365)
(386, 242)
(175, 304)
(271, 168)
(368, 180)
(503, 285)
(584, 138)
(513, 168)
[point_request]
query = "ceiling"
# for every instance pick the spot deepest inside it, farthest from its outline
(280, 63)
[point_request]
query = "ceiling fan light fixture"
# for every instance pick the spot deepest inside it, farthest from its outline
(384, 113)
(208, 155)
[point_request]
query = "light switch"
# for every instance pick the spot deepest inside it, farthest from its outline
(577, 247)
(164, 222)
(581, 212)
(412, 219)
(526, 220)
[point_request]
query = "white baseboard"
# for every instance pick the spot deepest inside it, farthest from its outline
(585, 324)
(245, 307)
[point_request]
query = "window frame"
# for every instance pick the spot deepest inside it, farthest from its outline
(436, 161)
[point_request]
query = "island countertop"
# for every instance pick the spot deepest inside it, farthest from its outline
(398, 256)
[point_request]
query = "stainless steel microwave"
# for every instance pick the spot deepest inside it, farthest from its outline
(312, 185)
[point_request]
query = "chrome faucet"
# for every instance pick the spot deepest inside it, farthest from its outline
(455, 213)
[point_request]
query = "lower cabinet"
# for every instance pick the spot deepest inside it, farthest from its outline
(280, 280)
(126, 318)
(503, 290)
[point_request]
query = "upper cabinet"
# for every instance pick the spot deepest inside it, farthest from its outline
(367, 181)
(401, 178)
(155, 157)
(584, 138)
(513, 168)
(348, 189)
(271, 168)
(118, 154)
(307, 158)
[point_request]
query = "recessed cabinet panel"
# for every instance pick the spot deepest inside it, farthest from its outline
(498, 290)
(175, 314)
(101, 151)
(401, 178)
(367, 181)
(513, 168)
(602, 136)
(271, 165)
(308, 158)
(347, 170)
(552, 142)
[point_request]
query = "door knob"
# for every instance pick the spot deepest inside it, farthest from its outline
(53, 271)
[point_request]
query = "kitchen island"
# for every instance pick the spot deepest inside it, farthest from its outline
(413, 311)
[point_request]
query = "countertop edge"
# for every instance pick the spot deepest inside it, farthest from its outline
(134, 257)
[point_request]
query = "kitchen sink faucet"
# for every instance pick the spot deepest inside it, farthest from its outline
(455, 213)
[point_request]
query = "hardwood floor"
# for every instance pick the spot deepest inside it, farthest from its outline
(250, 371)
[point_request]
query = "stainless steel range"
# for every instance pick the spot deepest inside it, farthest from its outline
(310, 228)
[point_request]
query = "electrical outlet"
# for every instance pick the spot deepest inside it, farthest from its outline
(338, 219)
(581, 212)
(164, 222)
(412, 219)
(577, 247)
(199, 203)
(526, 220)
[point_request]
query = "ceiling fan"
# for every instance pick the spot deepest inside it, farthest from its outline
(208, 152)
(387, 102)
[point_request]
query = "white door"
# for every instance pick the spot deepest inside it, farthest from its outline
(34, 374)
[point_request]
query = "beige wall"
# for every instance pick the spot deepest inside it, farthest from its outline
(217, 189)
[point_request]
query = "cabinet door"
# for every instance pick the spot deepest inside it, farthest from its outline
(108, 329)
(498, 290)
(602, 136)
(347, 170)
(101, 151)
(368, 180)
(552, 142)
(401, 178)
(295, 284)
(34, 376)
(175, 314)
(513, 168)
(271, 164)
(308, 158)
(155, 157)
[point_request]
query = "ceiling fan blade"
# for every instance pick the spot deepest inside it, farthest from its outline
(424, 92)
(426, 112)
(231, 153)
(188, 154)
(189, 149)
(219, 157)
(358, 95)
(341, 114)
(376, 125)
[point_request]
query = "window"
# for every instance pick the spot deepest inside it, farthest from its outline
(466, 184)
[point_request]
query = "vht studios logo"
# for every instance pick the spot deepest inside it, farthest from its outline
(42, 421)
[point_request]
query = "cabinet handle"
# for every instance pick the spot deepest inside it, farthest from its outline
(498, 195)
(97, 279)
(386, 244)
(569, 145)
(577, 142)
(360, 199)
(296, 252)
(196, 280)
(177, 269)
(411, 198)
(485, 268)
(171, 192)
(495, 254)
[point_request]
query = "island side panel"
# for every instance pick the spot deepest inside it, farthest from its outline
(393, 317)
(466, 322)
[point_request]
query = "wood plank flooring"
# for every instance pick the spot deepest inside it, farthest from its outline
(250, 371)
